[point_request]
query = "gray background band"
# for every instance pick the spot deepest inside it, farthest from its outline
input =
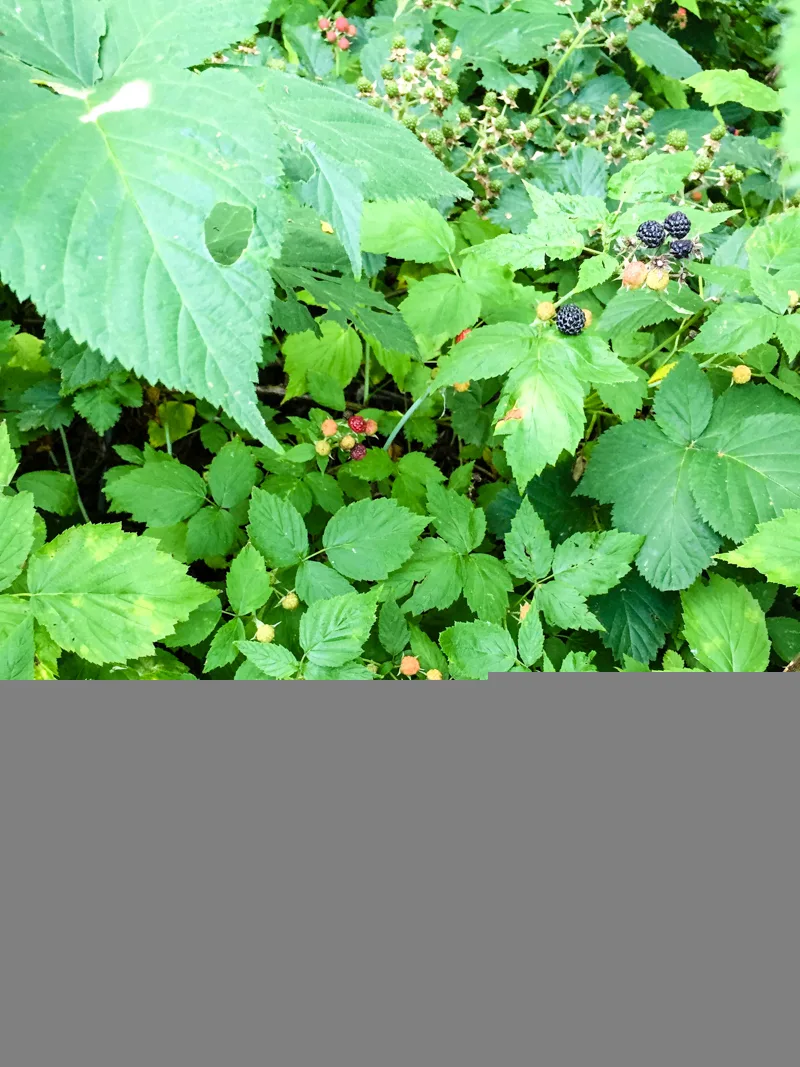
(558, 871)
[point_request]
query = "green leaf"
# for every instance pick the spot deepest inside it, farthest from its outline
(427, 652)
(631, 309)
(592, 563)
(160, 493)
(16, 652)
(476, 649)
(436, 567)
(248, 585)
(528, 551)
(374, 467)
(63, 40)
(370, 538)
(317, 581)
(596, 270)
(16, 535)
(8, 459)
(440, 307)
(725, 86)
(351, 132)
(486, 353)
(224, 645)
(661, 52)
(530, 639)
(197, 627)
(646, 477)
(636, 617)
(277, 529)
(725, 627)
(734, 329)
(656, 173)
(120, 260)
(272, 660)
(108, 595)
(336, 353)
(564, 607)
(785, 636)
(683, 403)
(774, 549)
(52, 491)
(625, 398)
(577, 661)
(746, 470)
(455, 518)
(232, 474)
(486, 586)
(393, 629)
(406, 229)
(333, 631)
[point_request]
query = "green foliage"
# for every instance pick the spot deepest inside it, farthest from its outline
(290, 387)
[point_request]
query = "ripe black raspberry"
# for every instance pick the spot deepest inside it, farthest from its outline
(651, 234)
(681, 249)
(358, 452)
(677, 224)
(570, 319)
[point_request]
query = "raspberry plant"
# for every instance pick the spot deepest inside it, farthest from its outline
(400, 341)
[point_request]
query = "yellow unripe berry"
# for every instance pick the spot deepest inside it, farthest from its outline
(742, 374)
(291, 602)
(409, 666)
(322, 448)
(546, 310)
(794, 298)
(658, 279)
(347, 442)
(433, 675)
(329, 428)
(461, 387)
(588, 315)
(265, 633)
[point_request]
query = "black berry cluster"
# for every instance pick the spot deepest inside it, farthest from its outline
(651, 234)
(570, 319)
(677, 225)
(682, 249)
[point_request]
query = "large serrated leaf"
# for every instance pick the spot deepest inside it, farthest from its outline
(111, 242)
(62, 38)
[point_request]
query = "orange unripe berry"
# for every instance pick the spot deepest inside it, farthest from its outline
(741, 374)
(265, 633)
(462, 335)
(329, 428)
(347, 442)
(546, 310)
(461, 387)
(371, 428)
(351, 31)
(409, 666)
(696, 194)
(635, 274)
(433, 675)
(658, 279)
(291, 602)
(523, 611)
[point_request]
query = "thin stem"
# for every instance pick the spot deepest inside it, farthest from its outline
(367, 354)
(71, 468)
(669, 340)
(537, 107)
(408, 414)
(167, 436)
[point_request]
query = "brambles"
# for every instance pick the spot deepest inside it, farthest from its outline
(473, 348)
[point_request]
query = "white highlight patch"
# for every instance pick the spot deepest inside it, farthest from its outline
(130, 97)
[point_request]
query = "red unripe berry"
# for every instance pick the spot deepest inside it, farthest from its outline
(323, 23)
(351, 31)
(358, 452)
(341, 23)
(330, 36)
(462, 335)
(357, 423)
(343, 43)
